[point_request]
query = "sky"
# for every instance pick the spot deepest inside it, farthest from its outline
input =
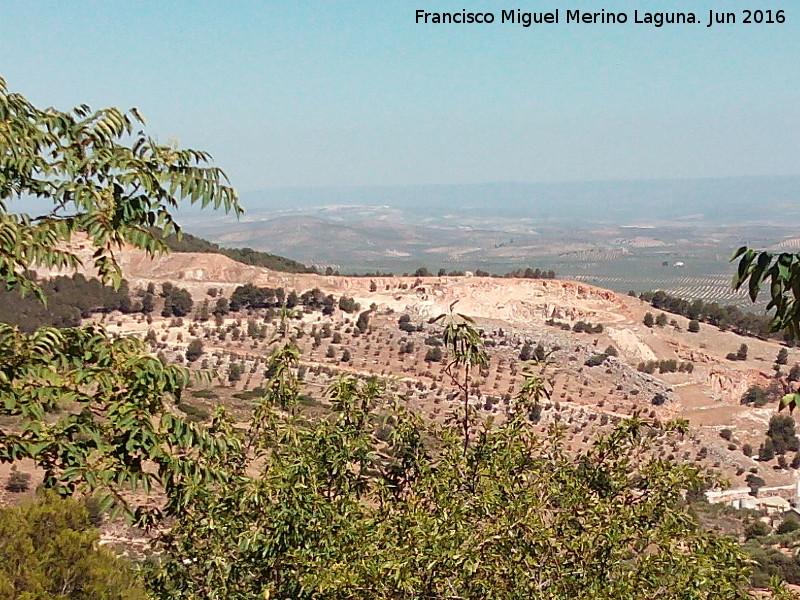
(352, 93)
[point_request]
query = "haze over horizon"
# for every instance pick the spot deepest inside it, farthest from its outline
(358, 94)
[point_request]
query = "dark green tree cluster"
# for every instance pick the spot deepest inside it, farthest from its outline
(251, 296)
(405, 324)
(584, 327)
(725, 317)
(315, 299)
(528, 273)
(740, 354)
(248, 256)
(759, 396)
(781, 436)
(669, 365)
(362, 323)
(177, 301)
(348, 305)
(70, 299)
(434, 354)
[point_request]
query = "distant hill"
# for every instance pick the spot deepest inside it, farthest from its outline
(247, 256)
(718, 201)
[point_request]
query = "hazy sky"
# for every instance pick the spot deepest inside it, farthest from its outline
(356, 93)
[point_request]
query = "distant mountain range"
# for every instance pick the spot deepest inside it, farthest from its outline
(730, 201)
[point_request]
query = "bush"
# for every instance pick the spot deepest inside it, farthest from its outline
(755, 395)
(756, 529)
(348, 305)
(434, 354)
(726, 434)
(234, 372)
(194, 350)
(362, 324)
(193, 413)
(783, 357)
(781, 434)
(51, 552)
(694, 326)
(788, 525)
(767, 451)
(754, 482)
(658, 399)
(595, 360)
(741, 353)
(18, 482)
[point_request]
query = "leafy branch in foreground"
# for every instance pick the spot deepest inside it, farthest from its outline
(466, 352)
(782, 273)
(107, 179)
(336, 507)
(90, 410)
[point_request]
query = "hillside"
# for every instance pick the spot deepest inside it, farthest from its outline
(607, 364)
(189, 243)
(516, 311)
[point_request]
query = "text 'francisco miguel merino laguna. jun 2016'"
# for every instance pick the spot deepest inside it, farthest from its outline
(710, 18)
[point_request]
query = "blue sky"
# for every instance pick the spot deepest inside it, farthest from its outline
(355, 93)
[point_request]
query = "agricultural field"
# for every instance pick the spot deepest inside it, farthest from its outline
(690, 261)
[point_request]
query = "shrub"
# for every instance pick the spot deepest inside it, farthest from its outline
(595, 360)
(783, 357)
(434, 354)
(194, 413)
(741, 353)
(234, 372)
(755, 395)
(788, 525)
(18, 481)
(756, 529)
(194, 350)
(754, 482)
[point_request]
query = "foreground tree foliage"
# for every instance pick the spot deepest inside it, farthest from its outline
(333, 512)
(367, 502)
(48, 551)
(110, 183)
(781, 272)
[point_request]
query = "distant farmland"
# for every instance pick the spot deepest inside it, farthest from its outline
(710, 288)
